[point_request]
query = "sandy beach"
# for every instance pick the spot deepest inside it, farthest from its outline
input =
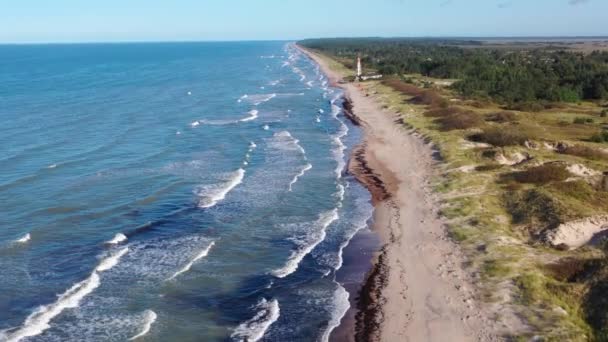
(417, 289)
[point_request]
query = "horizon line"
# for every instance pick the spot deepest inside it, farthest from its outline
(160, 41)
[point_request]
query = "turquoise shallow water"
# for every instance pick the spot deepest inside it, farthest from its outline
(172, 192)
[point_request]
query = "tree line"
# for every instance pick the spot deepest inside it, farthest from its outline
(506, 75)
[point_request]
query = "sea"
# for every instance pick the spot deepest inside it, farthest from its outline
(174, 192)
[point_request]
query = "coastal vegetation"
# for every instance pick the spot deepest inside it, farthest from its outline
(523, 139)
(514, 77)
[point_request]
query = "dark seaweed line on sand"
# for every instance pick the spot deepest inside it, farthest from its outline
(370, 300)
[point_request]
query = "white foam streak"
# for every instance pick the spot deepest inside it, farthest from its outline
(300, 174)
(210, 200)
(118, 238)
(196, 258)
(149, 319)
(316, 236)
(111, 261)
(195, 123)
(259, 99)
(254, 329)
(39, 320)
(341, 307)
(253, 114)
(25, 238)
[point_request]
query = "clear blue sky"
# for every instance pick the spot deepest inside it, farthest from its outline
(153, 20)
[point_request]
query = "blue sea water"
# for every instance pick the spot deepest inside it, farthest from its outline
(172, 192)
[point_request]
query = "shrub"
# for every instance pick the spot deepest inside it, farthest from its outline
(502, 117)
(461, 120)
(566, 269)
(600, 137)
(405, 88)
(585, 152)
(428, 97)
(604, 113)
(534, 206)
(582, 121)
(503, 136)
(488, 167)
(441, 112)
(546, 173)
(527, 106)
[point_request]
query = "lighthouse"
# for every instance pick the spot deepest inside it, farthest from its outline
(359, 69)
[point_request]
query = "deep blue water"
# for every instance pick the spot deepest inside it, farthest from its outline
(216, 171)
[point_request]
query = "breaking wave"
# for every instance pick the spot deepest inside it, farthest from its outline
(306, 244)
(209, 197)
(149, 319)
(25, 238)
(254, 329)
(196, 258)
(118, 238)
(341, 306)
(253, 114)
(39, 320)
(296, 177)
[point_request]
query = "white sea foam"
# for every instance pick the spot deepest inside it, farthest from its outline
(210, 197)
(189, 93)
(111, 261)
(25, 238)
(321, 111)
(349, 236)
(39, 320)
(242, 98)
(285, 141)
(195, 123)
(52, 166)
(118, 238)
(300, 174)
(252, 145)
(341, 306)
(274, 83)
(340, 193)
(339, 155)
(178, 133)
(253, 114)
(149, 319)
(309, 83)
(306, 244)
(266, 127)
(318, 119)
(254, 329)
(259, 99)
(203, 253)
(340, 147)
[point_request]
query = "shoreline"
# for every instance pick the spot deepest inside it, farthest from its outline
(416, 289)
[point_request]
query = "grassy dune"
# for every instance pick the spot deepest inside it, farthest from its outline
(499, 212)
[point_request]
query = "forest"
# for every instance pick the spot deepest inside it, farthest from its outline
(509, 76)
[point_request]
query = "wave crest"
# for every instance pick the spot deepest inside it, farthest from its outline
(255, 328)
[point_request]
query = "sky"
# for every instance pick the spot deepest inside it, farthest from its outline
(28, 21)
